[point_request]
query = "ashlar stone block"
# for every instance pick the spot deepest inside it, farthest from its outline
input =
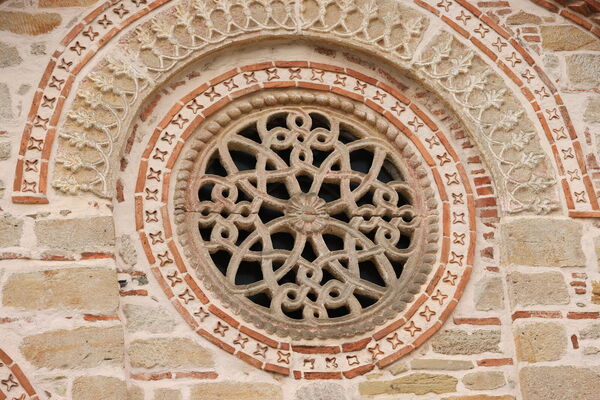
(567, 38)
(540, 242)
(484, 380)
(415, 383)
(168, 353)
(490, 295)
(481, 397)
(76, 234)
(148, 318)
(454, 341)
(104, 388)
(584, 69)
(167, 394)
(83, 347)
(547, 288)
(94, 289)
(544, 341)
(321, 391)
(11, 229)
(559, 383)
(236, 391)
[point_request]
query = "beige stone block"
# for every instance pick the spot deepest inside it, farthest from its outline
(590, 350)
(77, 234)
(127, 250)
(584, 69)
(236, 391)
(11, 229)
(38, 48)
(567, 38)
(415, 383)
(590, 332)
(83, 347)
(542, 341)
(321, 391)
(168, 353)
(135, 393)
(595, 292)
(9, 56)
(480, 397)
(94, 289)
(462, 342)
(597, 247)
(167, 394)
(148, 318)
(592, 115)
(6, 111)
(490, 295)
(486, 380)
(28, 23)
(542, 242)
(104, 388)
(4, 146)
(547, 288)
(559, 383)
(398, 368)
(437, 364)
(523, 18)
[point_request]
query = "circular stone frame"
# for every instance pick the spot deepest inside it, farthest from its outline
(397, 296)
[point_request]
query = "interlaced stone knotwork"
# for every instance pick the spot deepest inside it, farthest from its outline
(307, 221)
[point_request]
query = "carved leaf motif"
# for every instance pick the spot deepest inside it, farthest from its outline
(519, 139)
(526, 190)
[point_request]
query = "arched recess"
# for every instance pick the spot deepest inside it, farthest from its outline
(513, 129)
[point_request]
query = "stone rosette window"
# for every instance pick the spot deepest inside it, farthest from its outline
(305, 220)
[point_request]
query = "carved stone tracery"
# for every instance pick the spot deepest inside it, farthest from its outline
(308, 219)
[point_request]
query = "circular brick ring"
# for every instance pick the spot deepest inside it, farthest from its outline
(380, 347)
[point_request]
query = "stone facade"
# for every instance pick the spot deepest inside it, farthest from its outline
(435, 163)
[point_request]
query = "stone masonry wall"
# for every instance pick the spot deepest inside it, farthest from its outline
(83, 316)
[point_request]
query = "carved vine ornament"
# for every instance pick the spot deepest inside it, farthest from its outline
(106, 101)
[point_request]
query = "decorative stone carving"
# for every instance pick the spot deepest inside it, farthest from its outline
(505, 132)
(310, 223)
(228, 117)
(192, 29)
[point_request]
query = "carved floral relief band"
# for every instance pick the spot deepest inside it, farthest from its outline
(495, 43)
(184, 142)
